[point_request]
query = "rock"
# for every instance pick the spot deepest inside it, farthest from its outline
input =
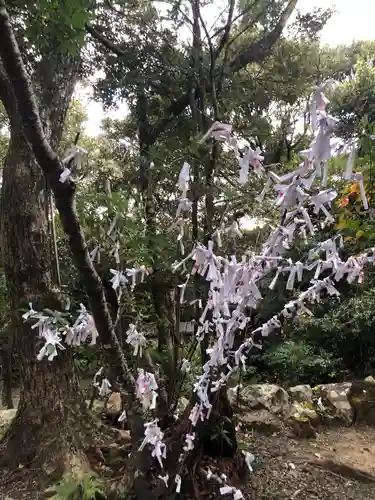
(303, 428)
(6, 417)
(334, 398)
(304, 411)
(303, 419)
(270, 397)
(370, 378)
(361, 397)
(262, 421)
(124, 436)
(301, 393)
(114, 405)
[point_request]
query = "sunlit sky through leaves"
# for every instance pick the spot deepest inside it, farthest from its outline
(354, 20)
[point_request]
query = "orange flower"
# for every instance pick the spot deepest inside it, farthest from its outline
(344, 202)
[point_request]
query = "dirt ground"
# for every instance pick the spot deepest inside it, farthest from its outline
(332, 466)
(341, 458)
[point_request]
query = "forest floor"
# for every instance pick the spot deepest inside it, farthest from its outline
(332, 466)
(339, 464)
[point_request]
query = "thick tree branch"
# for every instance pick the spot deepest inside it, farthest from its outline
(64, 192)
(228, 26)
(256, 52)
(6, 95)
(95, 33)
(260, 49)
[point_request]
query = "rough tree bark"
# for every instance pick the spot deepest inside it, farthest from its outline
(6, 372)
(50, 397)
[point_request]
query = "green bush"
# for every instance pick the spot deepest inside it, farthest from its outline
(297, 362)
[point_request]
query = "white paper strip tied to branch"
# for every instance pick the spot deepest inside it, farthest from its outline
(118, 279)
(189, 442)
(290, 195)
(136, 339)
(318, 103)
(229, 490)
(358, 177)
(31, 313)
(133, 274)
(235, 493)
(206, 262)
(85, 325)
(164, 478)
(154, 438)
(250, 158)
(183, 179)
(97, 375)
(296, 271)
(321, 199)
(350, 163)
(146, 388)
(219, 131)
(178, 482)
(105, 388)
(52, 342)
(113, 224)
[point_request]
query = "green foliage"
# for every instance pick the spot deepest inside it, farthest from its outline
(51, 25)
(294, 362)
(87, 488)
(354, 100)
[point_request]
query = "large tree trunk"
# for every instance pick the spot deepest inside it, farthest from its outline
(52, 422)
(6, 362)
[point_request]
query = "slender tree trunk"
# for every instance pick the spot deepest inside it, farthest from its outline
(52, 421)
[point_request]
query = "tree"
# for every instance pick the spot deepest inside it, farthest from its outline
(46, 390)
(50, 397)
(209, 402)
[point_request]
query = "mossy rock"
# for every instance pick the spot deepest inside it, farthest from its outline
(361, 397)
(6, 418)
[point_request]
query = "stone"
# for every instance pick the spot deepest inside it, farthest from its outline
(303, 411)
(124, 436)
(269, 397)
(301, 393)
(6, 417)
(361, 397)
(261, 421)
(303, 419)
(303, 428)
(370, 378)
(114, 404)
(334, 398)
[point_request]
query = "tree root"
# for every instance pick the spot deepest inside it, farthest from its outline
(343, 470)
(36, 454)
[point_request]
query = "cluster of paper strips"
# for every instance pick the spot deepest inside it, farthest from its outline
(234, 286)
(136, 339)
(51, 332)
